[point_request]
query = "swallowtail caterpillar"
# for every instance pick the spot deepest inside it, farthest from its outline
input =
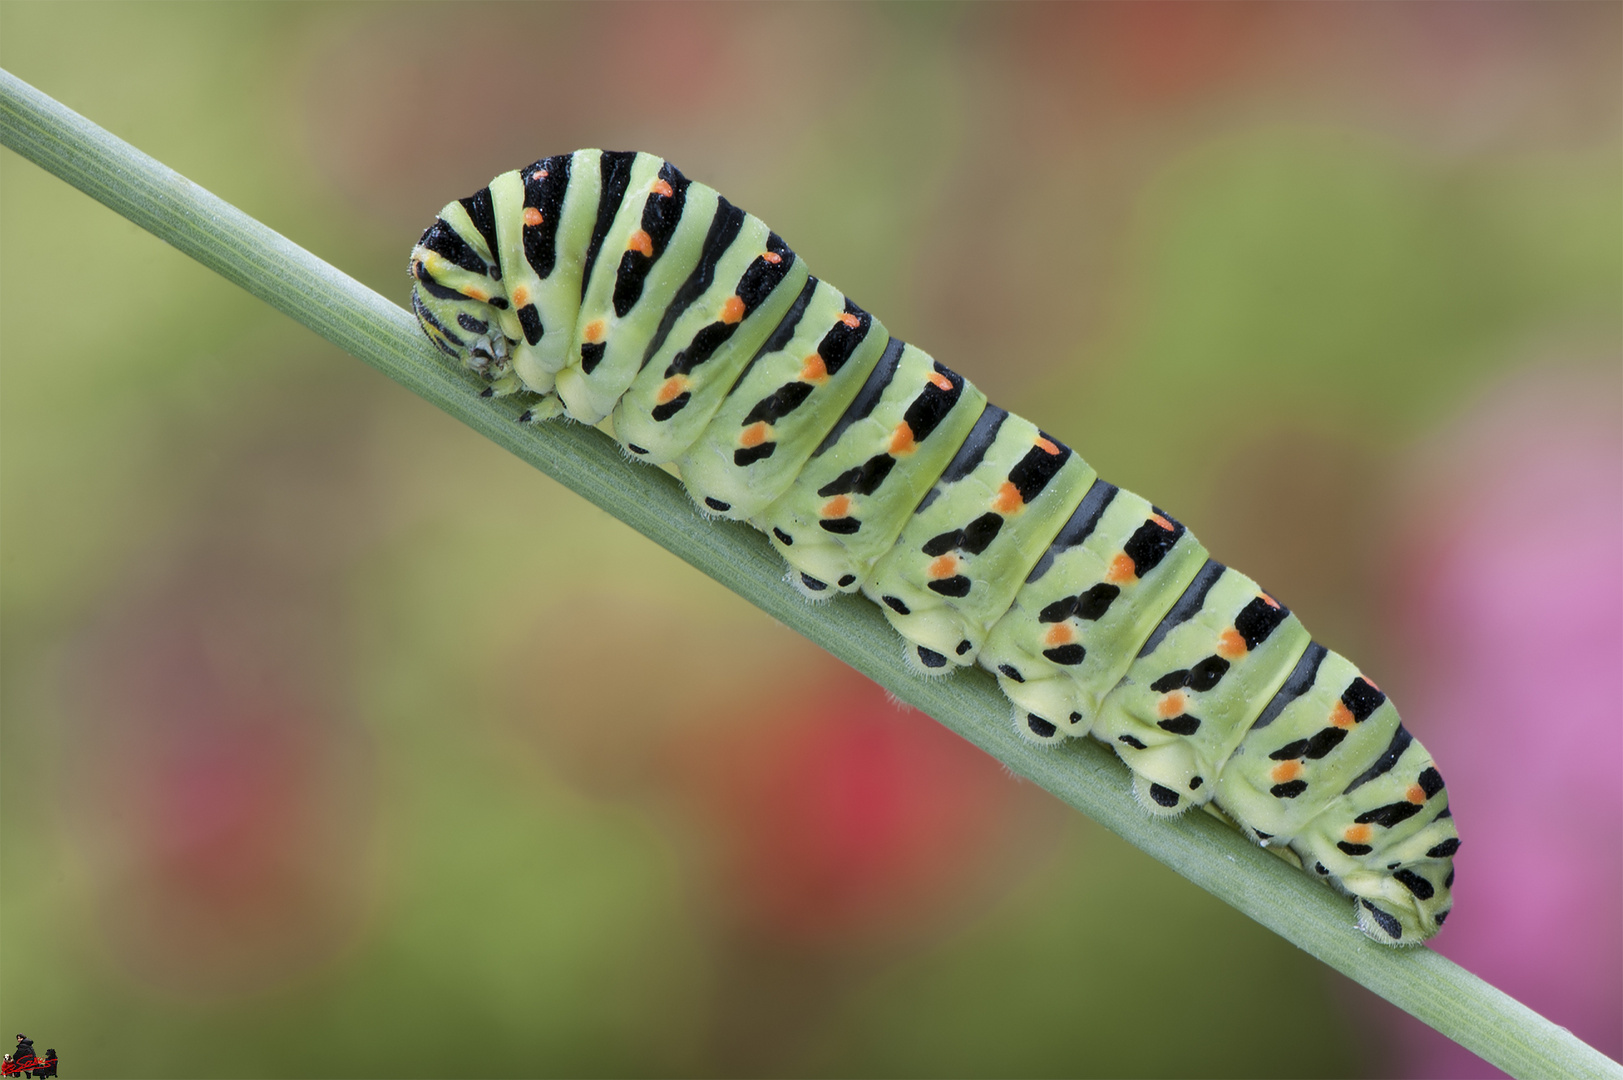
(609, 285)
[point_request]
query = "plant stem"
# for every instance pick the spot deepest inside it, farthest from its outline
(1083, 773)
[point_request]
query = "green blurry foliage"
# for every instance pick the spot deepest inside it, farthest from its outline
(1074, 975)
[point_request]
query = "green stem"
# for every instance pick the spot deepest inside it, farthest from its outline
(1084, 774)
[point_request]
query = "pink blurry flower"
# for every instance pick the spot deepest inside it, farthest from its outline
(1511, 594)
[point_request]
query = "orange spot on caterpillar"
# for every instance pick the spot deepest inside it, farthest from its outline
(901, 440)
(1059, 634)
(1007, 500)
(660, 187)
(1416, 794)
(1358, 834)
(772, 257)
(837, 507)
(944, 566)
(1270, 601)
(1172, 705)
(814, 370)
(521, 296)
(754, 435)
(850, 320)
(940, 380)
(672, 389)
(1161, 521)
(532, 216)
(593, 332)
(1121, 568)
(640, 241)
(1286, 771)
(732, 310)
(1048, 446)
(1230, 645)
(1342, 717)
(539, 174)
(475, 294)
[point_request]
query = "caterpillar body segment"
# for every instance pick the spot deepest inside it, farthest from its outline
(1115, 568)
(975, 536)
(783, 404)
(1206, 673)
(555, 221)
(740, 294)
(881, 458)
(608, 284)
(649, 249)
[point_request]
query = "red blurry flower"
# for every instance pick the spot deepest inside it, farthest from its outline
(221, 804)
(842, 814)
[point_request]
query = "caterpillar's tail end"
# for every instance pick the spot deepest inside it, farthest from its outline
(1389, 926)
(1398, 867)
(1403, 907)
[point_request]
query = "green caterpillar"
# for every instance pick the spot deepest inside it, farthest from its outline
(610, 285)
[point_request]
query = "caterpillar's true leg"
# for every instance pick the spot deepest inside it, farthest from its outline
(547, 408)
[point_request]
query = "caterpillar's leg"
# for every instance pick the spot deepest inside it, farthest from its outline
(825, 573)
(503, 386)
(1045, 712)
(812, 588)
(1158, 800)
(548, 408)
(927, 661)
(1035, 729)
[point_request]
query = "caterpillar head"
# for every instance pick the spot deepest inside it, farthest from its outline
(458, 299)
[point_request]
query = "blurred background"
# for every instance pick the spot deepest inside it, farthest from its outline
(321, 752)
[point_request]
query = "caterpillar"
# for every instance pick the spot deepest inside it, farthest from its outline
(608, 285)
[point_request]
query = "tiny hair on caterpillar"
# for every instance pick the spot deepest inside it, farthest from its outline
(609, 286)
